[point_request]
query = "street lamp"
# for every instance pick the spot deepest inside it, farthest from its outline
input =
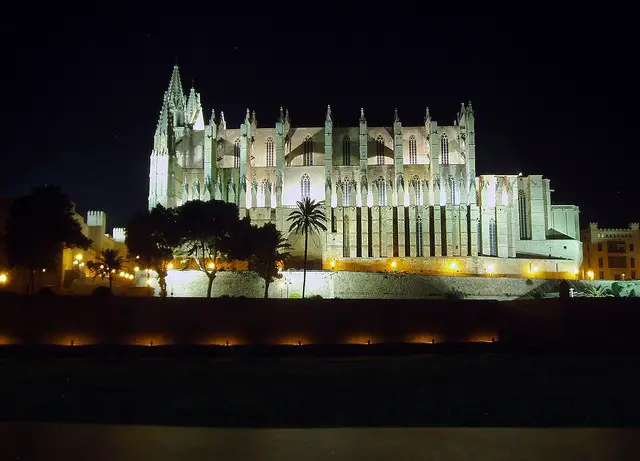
(3, 279)
(454, 267)
(394, 264)
(590, 275)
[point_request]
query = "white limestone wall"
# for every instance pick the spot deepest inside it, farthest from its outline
(347, 285)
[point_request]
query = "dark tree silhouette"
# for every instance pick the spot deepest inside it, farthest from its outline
(308, 217)
(210, 233)
(39, 226)
(268, 247)
(151, 239)
(107, 264)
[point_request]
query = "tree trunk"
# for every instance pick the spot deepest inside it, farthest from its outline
(110, 280)
(304, 273)
(266, 288)
(30, 281)
(211, 277)
(162, 280)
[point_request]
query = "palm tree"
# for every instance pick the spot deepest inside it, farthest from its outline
(308, 217)
(108, 263)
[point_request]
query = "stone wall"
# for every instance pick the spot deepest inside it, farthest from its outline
(352, 285)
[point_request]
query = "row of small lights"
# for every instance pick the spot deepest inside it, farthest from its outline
(490, 268)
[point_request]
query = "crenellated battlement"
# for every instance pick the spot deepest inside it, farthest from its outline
(633, 227)
(119, 234)
(96, 218)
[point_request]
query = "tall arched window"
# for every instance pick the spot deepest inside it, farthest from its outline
(413, 150)
(305, 187)
(265, 192)
(522, 213)
(417, 187)
(346, 151)
(419, 237)
(444, 149)
(269, 151)
(236, 154)
(479, 237)
(493, 238)
(380, 150)
(382, 191)
(307, 158)
(346, 196)
(454, 197)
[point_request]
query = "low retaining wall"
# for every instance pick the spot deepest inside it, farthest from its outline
(351, 285)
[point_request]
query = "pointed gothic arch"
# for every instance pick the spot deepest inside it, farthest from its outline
(380, 150)
(444, 149)
(236, 153)
(305, 186)
(346, 150)
(307, 158)
(419, 249)
(522, 215)
(413, 150)
(382, 191)
(493, 237)
(269, 152)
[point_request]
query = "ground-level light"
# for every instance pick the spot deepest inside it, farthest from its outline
(3, 278)
(170, 266)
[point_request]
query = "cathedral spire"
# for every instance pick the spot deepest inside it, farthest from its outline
(470, 108)
(212, 120)
(175, 94)
(192, 103)
(328, 116)
(362, 114)
(223, 122)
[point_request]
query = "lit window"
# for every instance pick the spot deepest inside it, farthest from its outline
(307, 158)
(236, 154)
(417, 187)
(305, 187)
(380, 150)
(269, 152)
(346, 199)
(346, 151)
(444, 149)
(413, 150)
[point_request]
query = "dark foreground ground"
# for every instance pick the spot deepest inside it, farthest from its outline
(476, 388)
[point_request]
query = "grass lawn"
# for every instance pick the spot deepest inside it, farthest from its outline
(478, 389)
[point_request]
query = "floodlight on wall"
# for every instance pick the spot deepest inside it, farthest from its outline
(79, 257)
(490, 269)
(3, 279)
(170, 266)
(135, 269)
(333, 264)
(590, 275)
(394, 265)
(211, 266)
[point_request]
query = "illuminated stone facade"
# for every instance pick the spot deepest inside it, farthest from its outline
(390, 192)
(611, 254)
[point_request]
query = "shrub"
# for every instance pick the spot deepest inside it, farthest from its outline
(529, 282)
(102, 292)
(597, 291)
(617, 289)
(315, 297)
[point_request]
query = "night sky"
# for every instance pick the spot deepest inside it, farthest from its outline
(551, 93)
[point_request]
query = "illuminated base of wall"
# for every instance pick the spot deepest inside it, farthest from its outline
(350, 285)
(485, 266)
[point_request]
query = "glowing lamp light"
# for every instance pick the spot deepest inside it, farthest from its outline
(170, 266)
(136, 269)
(333, 264)
(113, 271)
(130, 276)
(282, 285)
(3, 278)
(101, 266)
(81, 264)
(75, 263)
(590, 275)
(394, 264)
(79, 257)
(137, 257)
(44, 270)
(534, 269)
(575, 271)
(211, 266)
(453, 266)
(121, 274)
(490, 269)
(150, 282)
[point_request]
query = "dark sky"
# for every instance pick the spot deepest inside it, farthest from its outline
(552, 92)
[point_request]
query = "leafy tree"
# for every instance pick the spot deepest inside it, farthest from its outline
(210, 233)
(39, 226)
(152, 237)
(268, 248)
(108, 263)
(308, 217)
